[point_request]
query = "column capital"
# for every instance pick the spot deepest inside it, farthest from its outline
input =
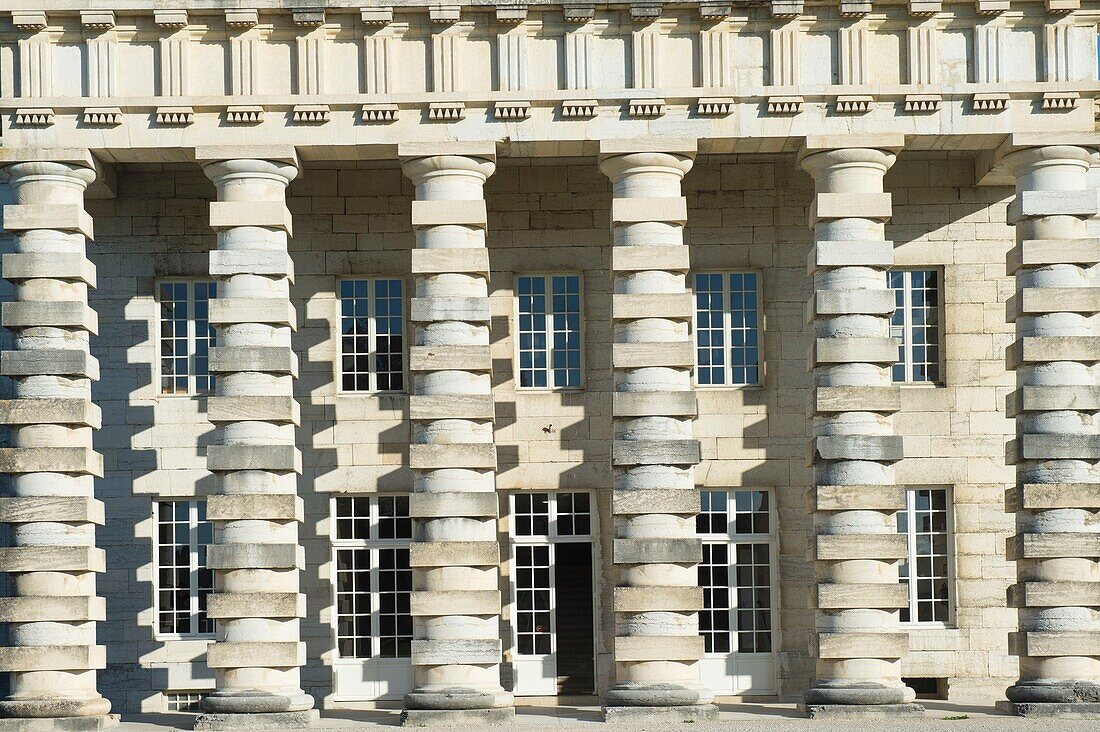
(74, 157)
(1019, 141)
(286, 154)
(891, 142)
(410, 150)
(683, 146)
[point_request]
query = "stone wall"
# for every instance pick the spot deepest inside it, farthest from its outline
(554, 216)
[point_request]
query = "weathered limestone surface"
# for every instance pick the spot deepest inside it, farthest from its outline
(858, 645)
(456, 651)
(1056, 449)
(656, 649)
(254, 458)
(51, 657)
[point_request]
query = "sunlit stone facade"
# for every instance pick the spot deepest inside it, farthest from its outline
(446, 356)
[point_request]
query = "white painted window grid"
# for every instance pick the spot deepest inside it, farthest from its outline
(738, 571)
(372, 335)
(927, 525)
(183, 701)
(539, 520)
(372, 580)
(550, 327)
(727, 325)
(917, 324)
(185, 336)
(181, 580)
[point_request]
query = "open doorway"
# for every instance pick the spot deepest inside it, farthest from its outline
(553, 594)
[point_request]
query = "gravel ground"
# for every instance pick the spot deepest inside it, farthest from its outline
(941, 717)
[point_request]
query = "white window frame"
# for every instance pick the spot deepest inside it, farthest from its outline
(911, 551)
(907, 326)
(193, 584)
(732, 539)
(192, 336)
(373, 545)
(372, 335)
(548, 277)
(549, 539)
(727, 329)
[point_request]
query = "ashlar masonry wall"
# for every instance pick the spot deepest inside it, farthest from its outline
(553, 216)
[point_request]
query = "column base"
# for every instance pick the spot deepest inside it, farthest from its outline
(58, 724)
(1051, 710)
(687, 713)
(226, 722)
(862, 711)
(457, 717)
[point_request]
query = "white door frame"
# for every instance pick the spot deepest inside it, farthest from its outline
(525, 680)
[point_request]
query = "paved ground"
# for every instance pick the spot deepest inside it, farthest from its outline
(942, 717)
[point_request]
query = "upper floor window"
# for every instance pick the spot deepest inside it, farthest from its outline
(549, 331)
(373, 577)
(916, 324)
(927, 568)
(183, 581)
(185, 336)
(372, 335)
(727, 329)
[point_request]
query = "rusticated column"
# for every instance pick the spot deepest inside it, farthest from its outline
(1057, 494)
(857, 548)
(255, 508)
(52, 558)
(656, 550)
(456, 649)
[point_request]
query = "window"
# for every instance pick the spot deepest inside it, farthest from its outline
(373, 578)
(916, 324)
(185, 337)
(549, 331)
(539, 522)
(736, 575)
(183, 581)
(727, 329)
(372, 335)
(183, 701)
(927, 570)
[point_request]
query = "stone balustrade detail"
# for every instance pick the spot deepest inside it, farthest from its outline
(714, 69)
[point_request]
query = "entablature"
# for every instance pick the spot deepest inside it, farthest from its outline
(341, 75)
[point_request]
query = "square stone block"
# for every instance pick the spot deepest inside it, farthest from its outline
(457, 717)
(274, 721)
(642, 258)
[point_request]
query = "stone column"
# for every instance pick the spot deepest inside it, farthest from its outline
(656, 549)
(456, 648)
(856, 544)
(254, 459)
(52, 559)
(1056, 450)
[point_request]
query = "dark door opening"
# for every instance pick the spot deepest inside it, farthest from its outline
(574, 599)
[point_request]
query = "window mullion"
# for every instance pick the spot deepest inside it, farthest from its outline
(907, 299)
(372, 337)
(548, 302)
(911, 550)
(727, 329)
(192, 383)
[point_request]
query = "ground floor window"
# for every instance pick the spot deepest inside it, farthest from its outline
(737, 575)
(927, 570)
(183, 580)
(552, 593)
(372, 585)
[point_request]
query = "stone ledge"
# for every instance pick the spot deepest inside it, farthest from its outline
(645, 258)
(279, 409)
(654, 452)
(671, 354)
(1035, 204)
(1079, 398)
(275, 458)
(253, 556)
(1041, 252)
(470, 260)
(654, 404)
(649, 599)
(266, 311)
(662, 715)
(221, 722)
(874, 253)
(472, 651)
(880, 448)
(1043, 496)
(55, 265)
(863, 711)
(75, 559)
(227, 262)
(843, 547)
(657, 551)
(676, 306)
(255, 605)
(75, 460)
(74, 363)
(454, 554)
(475, 357)
(1049, 644)
(249, 654)
(425, 603)
(471, 455)
(264, 506)
(658, 648)
(1050, 710)
(457, 717)
(429, 213)
(845, 595)
(842, 350)
(69, 411)
(1054, 594)
(61, 509)
(430, 407)
(264, 359)
(1060, 545)
(669, 210)
(862, 645)
(263, 214)
(441, 505)
(50, 608)
(1042, 349)
(859, 498)
(49, 314)
(684, 501)
(836, 399)
(59, 724)
(52, 658)
(59, 216)
(874, 206)
(435, 309)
